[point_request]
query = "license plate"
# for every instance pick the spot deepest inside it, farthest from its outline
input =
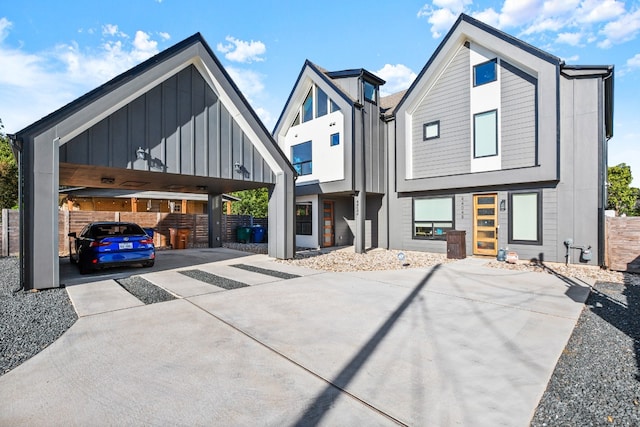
(125, 245)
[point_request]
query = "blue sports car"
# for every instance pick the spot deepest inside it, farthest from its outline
(107, 244)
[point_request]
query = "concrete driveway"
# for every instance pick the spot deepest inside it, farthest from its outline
(457, 344)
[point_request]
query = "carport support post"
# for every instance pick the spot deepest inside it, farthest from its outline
(40, 212)
(282, 217)
(215, 220)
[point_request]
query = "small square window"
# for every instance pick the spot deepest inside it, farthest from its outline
(431, 130)
(485, 73)
(335, 139)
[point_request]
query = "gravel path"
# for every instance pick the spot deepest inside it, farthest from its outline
(30, 321)
(596, 381)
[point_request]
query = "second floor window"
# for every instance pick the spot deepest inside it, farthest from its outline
(316, 104)
(485, 134)
(301, 158)
(485, 73)
(369, 92)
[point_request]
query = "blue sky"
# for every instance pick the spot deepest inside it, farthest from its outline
(53, 52)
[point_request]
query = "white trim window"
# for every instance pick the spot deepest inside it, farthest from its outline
(431, 130)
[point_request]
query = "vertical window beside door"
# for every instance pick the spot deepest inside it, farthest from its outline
(304, 219)
(525, 218)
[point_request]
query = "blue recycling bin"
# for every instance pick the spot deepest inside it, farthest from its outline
(258, 233)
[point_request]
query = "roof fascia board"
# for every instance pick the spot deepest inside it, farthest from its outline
(357, 72)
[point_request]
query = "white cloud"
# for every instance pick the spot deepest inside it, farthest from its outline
(36, 84)
(5, 26)
(574, 58)
(581, 22)
(242, 51)
(144, 47)
(622, 30)
(516, 13)
(634, 62)
(164, 36)
(250, 83)
(112, 30)
(488, 16)
(398, 77)
(440, 19)
(572, 39)
(599, 10)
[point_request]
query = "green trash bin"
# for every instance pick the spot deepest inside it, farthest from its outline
(243, 234)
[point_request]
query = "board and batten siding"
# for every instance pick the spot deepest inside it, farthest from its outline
(182, 126)
(518, 107)
(374, 151)
(448, 102)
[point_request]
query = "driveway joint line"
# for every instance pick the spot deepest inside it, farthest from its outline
(300, 365)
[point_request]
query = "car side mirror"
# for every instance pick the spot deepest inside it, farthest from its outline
(149, 231)
(74, 235)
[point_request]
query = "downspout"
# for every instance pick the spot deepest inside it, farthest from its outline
(16, 146)
(604, 149)
(360, 184)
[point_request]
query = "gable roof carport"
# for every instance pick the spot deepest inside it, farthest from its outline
(176, 122)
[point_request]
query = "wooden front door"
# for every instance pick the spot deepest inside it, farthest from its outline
(485, 224)
(327, 225)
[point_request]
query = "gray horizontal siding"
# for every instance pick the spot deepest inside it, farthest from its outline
(448, 102)
(518, 93)
(401, 234)
(184, 129)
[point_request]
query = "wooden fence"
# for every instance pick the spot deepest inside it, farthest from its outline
(623, 244)
(168, 227)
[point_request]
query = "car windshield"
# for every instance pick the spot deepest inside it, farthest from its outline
(112, 230)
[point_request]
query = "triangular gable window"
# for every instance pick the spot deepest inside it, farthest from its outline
(310, 110)
(307, 107)
(322, 104)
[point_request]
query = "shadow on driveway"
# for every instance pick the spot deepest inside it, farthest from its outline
(313, 416)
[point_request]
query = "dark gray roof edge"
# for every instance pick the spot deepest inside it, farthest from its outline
(323, 76)
(597, 69)
(356, 72)
(606, 72)
(489, 29)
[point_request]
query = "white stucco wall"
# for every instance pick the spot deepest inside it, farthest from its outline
(328, 161)
(485, 97)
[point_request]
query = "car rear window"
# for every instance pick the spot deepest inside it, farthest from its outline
(108, 230)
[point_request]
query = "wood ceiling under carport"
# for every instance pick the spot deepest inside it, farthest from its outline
(75, 175)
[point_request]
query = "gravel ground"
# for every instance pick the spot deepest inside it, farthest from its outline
(221, 282)
(272, 273)
(144, 290)
(595, 383)
(30, 321)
